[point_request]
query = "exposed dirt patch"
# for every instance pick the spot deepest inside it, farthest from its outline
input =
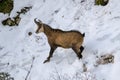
(105, 59)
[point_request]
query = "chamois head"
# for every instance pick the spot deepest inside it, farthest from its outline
(40, 27)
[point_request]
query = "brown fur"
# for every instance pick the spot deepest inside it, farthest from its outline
(58, 38)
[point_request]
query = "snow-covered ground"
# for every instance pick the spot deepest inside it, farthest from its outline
(100, 24)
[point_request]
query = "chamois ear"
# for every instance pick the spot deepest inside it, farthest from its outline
(40, 21)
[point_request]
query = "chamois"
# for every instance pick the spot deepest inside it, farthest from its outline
(58, 38)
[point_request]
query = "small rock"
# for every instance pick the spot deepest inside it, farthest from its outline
(30, 33)
(17, 20)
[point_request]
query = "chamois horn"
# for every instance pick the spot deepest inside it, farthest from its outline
(37, 22)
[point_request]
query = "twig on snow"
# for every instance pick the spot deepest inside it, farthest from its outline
(30, 68)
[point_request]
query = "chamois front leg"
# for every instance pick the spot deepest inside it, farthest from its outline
(50, 54)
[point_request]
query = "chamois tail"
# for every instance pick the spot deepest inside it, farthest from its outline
(83, 34)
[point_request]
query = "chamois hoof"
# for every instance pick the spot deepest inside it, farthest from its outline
(46, 61)
(80, 57)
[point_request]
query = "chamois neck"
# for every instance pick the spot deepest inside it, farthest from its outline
(47, 30)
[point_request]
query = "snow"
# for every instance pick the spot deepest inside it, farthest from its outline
(102, 36)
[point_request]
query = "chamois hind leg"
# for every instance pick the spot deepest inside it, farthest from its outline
(81, 50)
(50, 54)
(77, 51)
